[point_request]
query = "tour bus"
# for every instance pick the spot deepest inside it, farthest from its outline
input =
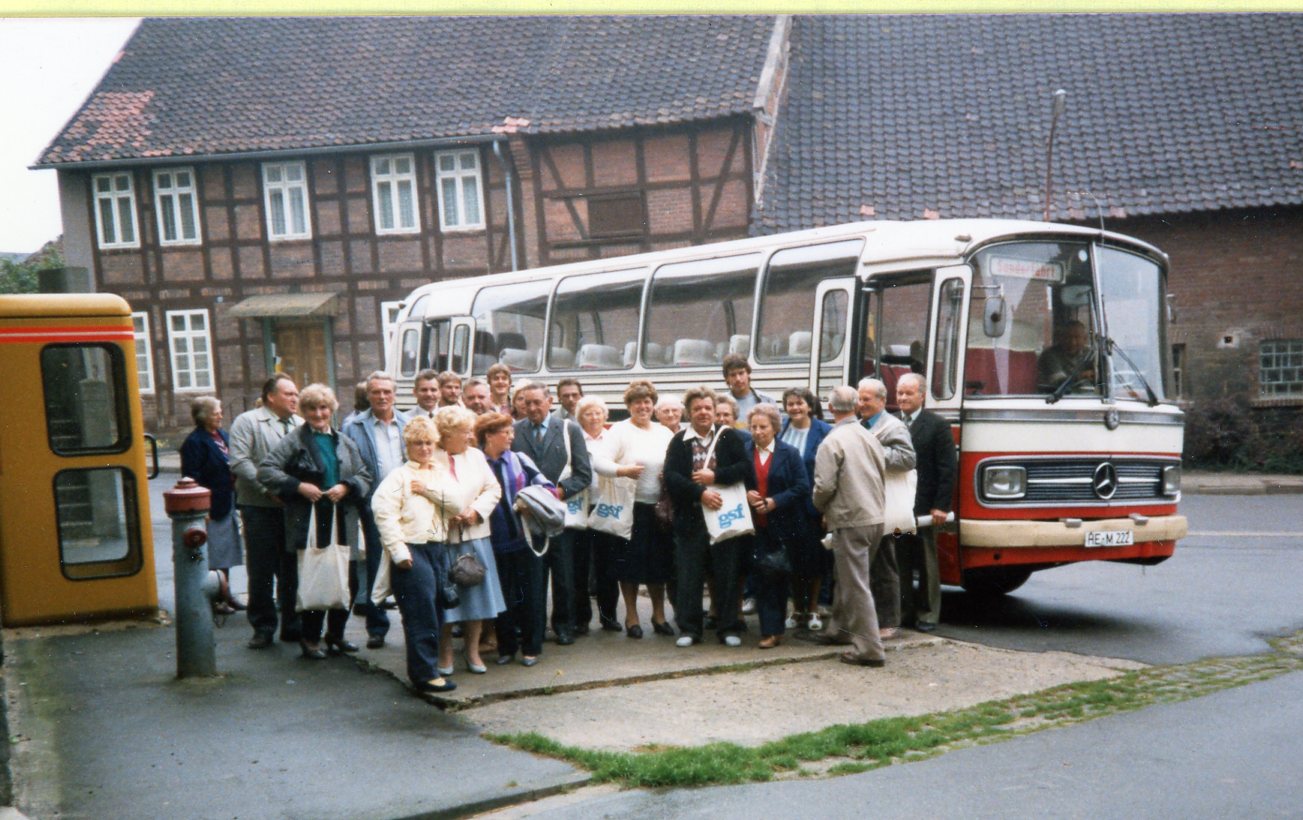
(1085, 466)
(75, 536)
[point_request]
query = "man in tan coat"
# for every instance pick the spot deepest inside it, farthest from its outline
(848, 490)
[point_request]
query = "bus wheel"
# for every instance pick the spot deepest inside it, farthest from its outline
(994, 581)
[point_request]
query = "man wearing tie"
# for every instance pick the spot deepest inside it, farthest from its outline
(270, 565)
(543, 437)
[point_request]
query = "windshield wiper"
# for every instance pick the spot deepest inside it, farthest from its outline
(1070, 381)
(1113, 347)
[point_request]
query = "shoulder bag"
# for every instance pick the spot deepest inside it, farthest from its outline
(323, 569)
(733, 518)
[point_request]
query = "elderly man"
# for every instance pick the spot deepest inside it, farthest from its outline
(270, 565)
(935, 448)
(427, 394)
(378, 433)
(899, 453)
(475, 395)
(848, 491)
(1069, 358)
(556, 446)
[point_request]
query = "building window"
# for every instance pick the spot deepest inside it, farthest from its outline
(1280, 368)
(393, 190)
(460, 191)
(178, 207)
(285, 188)
(389, 320)
(191, 347)
(115, 210)
(144, 353)
(615, 215)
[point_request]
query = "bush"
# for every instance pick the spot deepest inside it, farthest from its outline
(1227, 433)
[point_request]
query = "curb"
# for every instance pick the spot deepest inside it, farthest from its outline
(529, 795)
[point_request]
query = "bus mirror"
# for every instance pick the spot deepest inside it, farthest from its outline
(995, 316)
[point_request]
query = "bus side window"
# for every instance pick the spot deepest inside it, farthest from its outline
(787, 301)
(514, 314)
(85, 401)
(700, 311)
(904, 325)
(594, 321)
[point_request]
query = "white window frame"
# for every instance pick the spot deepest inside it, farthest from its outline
(168, 200)
(1278, 358)
(387, 184)
(287, 188)
(462, 176)
(182, 352)
(389, 321)
(116, 197)
(144, 353)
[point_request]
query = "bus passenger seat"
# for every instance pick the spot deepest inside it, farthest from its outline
(740, 343)
(593, 356)
(653, 353)
(481, 363)
(561, 357)
(694, 351)
(507, 341)
(798, 344)
(630, 353)
(519, 359)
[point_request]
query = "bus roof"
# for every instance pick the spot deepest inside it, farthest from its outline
(925, 243)
(16, 306)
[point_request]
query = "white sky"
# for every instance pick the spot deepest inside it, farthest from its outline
(47, 69)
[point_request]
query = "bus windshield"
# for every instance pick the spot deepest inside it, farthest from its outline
(1035, 328)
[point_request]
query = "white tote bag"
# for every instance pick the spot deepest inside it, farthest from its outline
(613, 512)
(899, 490)
(576, 505)
(323, 570)
(733, 518)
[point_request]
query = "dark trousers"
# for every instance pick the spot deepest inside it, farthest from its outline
(694, 558)
(415, 590)
(521, 625)
(273, 570)
(771, 590)
(595, 550)
(884, 581)
(919, 553)
(559, 563)
(377, 620)
(334, 619)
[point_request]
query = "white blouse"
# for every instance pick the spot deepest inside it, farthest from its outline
(627, 443)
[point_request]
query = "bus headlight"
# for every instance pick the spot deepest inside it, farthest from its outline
(1172, 480)
(1004, 482)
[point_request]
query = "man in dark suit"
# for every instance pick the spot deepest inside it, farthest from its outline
(543, 437)
(934, 448)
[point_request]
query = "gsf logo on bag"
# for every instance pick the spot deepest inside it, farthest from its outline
(609, 510)
(727, 517)
(575, 505)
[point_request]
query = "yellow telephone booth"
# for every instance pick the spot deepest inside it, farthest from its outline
(75, 536)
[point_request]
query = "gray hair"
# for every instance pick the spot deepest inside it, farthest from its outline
(917, 379)
(843, 398)
(876, 386)
(203, 407)
(669, 401)
(317, 395)
(592, 401)
(768, 411)
(378, 375)
(532, 385)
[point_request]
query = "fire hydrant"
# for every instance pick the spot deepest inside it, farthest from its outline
(187, 504)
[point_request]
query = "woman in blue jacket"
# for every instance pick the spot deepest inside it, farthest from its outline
(778, 504)
(205, 457)
(810, 561)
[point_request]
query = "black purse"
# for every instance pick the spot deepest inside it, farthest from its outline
(774, 563)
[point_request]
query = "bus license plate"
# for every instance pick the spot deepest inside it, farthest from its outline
(1110, 538)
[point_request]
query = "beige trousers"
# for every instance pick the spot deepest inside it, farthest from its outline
(854, 620)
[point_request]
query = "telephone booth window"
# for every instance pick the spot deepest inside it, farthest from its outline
(99, 531)
(85, 399)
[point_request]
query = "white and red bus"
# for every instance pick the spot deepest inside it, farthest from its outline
(1055, 466)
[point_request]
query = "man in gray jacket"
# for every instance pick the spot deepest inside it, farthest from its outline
(270, 563)
(898, 449)
(848, 490)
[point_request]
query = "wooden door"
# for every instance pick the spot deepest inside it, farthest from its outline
(300, 351)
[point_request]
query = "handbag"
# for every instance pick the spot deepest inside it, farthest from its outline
(733, 518)
(323, 569)
(898, 502)
(613, 512)
(664, 508)
(466, 570)
(775, 563)
(577, 504)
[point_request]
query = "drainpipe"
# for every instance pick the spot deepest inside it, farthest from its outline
(511, 202)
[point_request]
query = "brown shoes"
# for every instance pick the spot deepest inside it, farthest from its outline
(854, 660)
(770, 641)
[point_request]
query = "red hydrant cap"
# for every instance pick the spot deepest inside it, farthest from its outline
(187, 497)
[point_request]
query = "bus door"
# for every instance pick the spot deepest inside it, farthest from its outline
(896, 325)
(831, 319)
(75, 533)
(951, 293)
(448, 344)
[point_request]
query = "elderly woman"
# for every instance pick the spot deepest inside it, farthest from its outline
(593, 547)
(778, 509)
(669, 412)
(698, 461)
(315, 468)
(205, 457)
(636, 449)
(470, 481)
(499, 379)
(520, 570)
(411, 507)
(810, 561)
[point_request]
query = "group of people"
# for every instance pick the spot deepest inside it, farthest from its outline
(444, 500)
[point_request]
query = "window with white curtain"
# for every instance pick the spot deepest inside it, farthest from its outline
(393, 192)
(144, 353)
(177, 205)
(115, 210)
(285, 192)
(461, 194)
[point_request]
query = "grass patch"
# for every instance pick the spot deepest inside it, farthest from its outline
(864, 746)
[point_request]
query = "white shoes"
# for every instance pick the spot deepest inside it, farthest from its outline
(685, 640)
(815, 624)
(749, 606)
(732, 640)
(791, 622)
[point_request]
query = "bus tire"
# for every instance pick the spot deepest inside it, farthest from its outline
(994, 581)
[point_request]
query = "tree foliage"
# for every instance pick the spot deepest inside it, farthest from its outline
(22, 277)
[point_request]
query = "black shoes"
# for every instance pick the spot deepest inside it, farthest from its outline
(634, 631)
(663, 628)
(260, 640)
(564, 638)
(925, 627)
(427, 687)
(312, 651)
(339, 646)
(581, 629)
(609, 624)
(375, 642)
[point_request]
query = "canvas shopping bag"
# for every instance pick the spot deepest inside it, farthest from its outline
(734, 517)
(613, 513)
(323, 569)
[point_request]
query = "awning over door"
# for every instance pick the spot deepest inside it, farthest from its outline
(286, 305)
